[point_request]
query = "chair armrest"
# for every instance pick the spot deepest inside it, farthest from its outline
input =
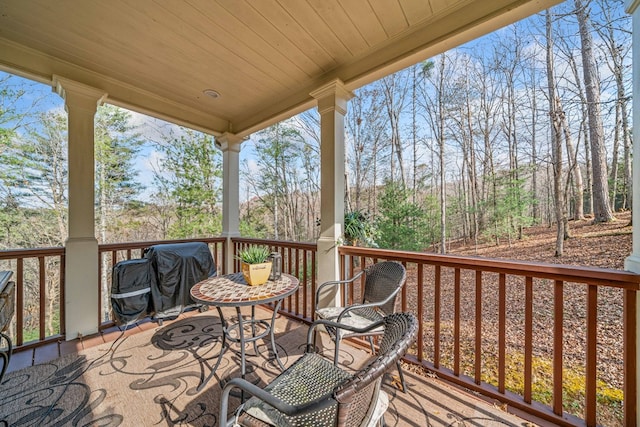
(352, 307)
(334, 283)
(268, 398)
(325, 322)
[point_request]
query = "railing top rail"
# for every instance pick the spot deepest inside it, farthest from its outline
(567, 273)
(139, 245)
(270, 242)
(31, 252)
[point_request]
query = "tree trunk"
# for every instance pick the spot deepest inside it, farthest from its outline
(574, 167)
(617, 41)
(394, 95)
(601, 208)
(443, 193)
(556, 142)
(534, 160)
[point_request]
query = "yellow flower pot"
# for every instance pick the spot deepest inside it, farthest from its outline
(256, 274)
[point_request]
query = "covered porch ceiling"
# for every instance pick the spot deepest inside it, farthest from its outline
(263, 57)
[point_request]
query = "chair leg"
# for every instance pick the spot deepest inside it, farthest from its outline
(404, 385)
(373, 350)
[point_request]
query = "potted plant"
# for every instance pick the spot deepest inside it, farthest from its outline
(254, 264)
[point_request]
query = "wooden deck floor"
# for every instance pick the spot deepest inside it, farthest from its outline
(429, 401)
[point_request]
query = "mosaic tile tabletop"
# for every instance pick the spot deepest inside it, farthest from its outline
(233, 290)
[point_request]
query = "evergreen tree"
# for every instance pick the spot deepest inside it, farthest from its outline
(116, 145)
(35, 176)
(189, 177)
(403, 224)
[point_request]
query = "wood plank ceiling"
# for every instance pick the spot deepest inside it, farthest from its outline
(263, 57)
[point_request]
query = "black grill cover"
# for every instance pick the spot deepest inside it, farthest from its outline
(131, 284)
(177, 266)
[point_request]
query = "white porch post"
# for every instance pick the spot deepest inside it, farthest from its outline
(332, 106)
(632, 263)
(81, 247)
(230, 146)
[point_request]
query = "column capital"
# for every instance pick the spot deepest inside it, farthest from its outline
(332, 96)
(77, 94)
(229, 142)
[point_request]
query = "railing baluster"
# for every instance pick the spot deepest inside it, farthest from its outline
(349, 297)
(528, 338)
(314, 285)
(478, 349)
(456, 322)
(420, 292)
(558, 338)
(437, 278)
(305, 272)
(630, 357)
(215, 251)
(63, 270)
(42, 288)
(592, 331)
(502, 330)
(290, 270)
(296, 253)
(20, 301)
(404, 293)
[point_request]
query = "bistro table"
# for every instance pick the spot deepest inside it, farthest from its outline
(231, 290)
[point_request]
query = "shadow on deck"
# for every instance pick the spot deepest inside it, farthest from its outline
(149, 374)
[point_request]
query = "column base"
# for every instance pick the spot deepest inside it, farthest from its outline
(632, 263)
(229, 261)
(328, 269)
(81, 287)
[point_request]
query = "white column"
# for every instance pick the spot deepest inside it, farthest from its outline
(230, 146)
(332, 106)
(632, 263)
(81, 247)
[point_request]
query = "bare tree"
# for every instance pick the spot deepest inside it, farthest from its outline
(616, 46)
(601, 208)
(309, 123)
(395, 88)
(433, 101)
(574, 173)
(438, 127)
(365, 125)
(556, 140)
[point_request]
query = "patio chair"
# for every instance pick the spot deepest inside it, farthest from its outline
(382, 285)
(316, 392)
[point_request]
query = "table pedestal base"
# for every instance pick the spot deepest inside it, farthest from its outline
(237, 333)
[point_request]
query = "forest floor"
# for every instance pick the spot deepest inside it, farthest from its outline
(598, 245)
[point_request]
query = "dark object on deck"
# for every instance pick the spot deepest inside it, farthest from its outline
(177, 267)
(131, 284)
